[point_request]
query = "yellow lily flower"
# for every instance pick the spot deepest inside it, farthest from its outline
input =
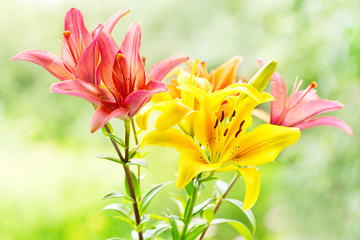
(181, 111)
(225, 144)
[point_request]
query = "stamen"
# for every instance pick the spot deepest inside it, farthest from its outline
(143, 59)
(226, 131)
(233, 115)
(66, 33)
(241, 124)
(313, 84)
(237, 133)
(222, 116)
(216, 123)
(119, 56)
(191, 79)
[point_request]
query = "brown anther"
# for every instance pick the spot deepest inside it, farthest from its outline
(226, 131)
(222, 116)
(216, 123)
(233, 115)
(237, 133)
(143, 59)
(66, 33)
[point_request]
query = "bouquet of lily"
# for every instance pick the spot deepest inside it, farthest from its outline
(204, 116)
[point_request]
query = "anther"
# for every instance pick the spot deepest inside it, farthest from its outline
(233, 115)
(222, 116)
(241, 124)
(237, 133)
(66, 33)
(216, 123)
(313, 85)
(226, 131)
(119, 56)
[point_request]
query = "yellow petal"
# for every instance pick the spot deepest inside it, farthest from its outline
(173, 138)
(252, 183)
(161, 97)
(172, 114)
(198, 93)
(191, 164)
(262, 145)
(204, 84)
(143, 115)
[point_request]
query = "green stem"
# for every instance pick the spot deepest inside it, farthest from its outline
(188, 213)
(136, 142)
(231, 184)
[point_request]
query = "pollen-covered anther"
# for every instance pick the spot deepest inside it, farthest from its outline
(226, 131)
(233, 115)
(216, 123)
(222, 116)
(119, 56)
(313, 84)
(237, 133)
(66, 34)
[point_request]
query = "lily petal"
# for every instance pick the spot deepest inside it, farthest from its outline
(172, 114)
(173, 138)
(191, 163)
(104, 114)
(158, 71)
(260, 146)
(138, 98)
(80, 36)
(279, 92)
(111, 22)
(53, 63)
(225, 74)
(252, 182)
(325, 121)
(86, 69)
(90, 92)
(307, 110)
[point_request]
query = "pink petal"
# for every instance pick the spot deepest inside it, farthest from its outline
(111, 22)
(80, 37)
(86, 69)
(104, 114)
(138, 98)
(90, 92)
(304, 111)
(108, 50)
(158, 71)
(279, 92)
(131, 50)
(53, 63)
(325, 121)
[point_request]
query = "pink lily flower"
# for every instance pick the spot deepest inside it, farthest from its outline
(125, 87)
(300, 108)
(78, 47)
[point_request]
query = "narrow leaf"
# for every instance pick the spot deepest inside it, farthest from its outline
(120, 208)
(238, 226)
(115, 194)
(108, 157)
(149, 195)
(202, 205)
(142, 224)
(135, 183)
(138, 161)
(174, 227)
(249, 214)
(196, 231)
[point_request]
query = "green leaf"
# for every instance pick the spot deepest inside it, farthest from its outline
(115, 194)
(250, 216)
(238, 226)
(175, 231)
(202, 205)
(138, 161)
(209, 215)
(135, 183)
(133, 151)
(195, 231)
(115, 138)
(120, 208)
(126, 219)
(189, 188)
(179, 202)
(151, 234)
(145, 219)
(149, 195)
(108, 157)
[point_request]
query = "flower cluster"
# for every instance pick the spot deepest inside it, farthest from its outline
(205, 116)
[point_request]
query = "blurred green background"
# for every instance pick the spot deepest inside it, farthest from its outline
(50, 180)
